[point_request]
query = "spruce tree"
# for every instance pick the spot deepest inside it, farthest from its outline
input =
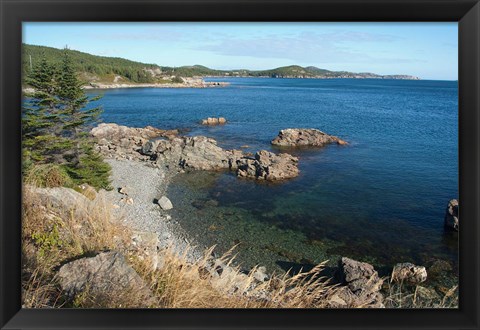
(85, 164)
(42, 141)
(56, 119)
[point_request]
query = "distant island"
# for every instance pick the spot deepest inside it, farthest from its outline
(114, 72)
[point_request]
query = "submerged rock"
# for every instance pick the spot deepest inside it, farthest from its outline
(295, 137)
(451, 215)
(360, 286)
(408, 272)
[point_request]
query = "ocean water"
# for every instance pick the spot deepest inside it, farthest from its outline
(381, 199)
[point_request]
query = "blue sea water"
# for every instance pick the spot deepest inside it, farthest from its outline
(381, 199)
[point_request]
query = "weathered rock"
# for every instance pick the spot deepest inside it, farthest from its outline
(114, 132)
(125, 142)
(202, 153)
(268, 166)
(106, 274)
(64, 201)
(194, 153)
(165, 203)
(451, 215)
(360, 286)
(294, 137)
(214, 121)
(408, 272)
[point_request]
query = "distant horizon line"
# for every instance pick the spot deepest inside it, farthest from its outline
(253, 70)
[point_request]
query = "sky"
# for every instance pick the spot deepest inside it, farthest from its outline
(426, 50)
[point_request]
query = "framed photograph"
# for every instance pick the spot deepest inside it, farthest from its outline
(226, 165)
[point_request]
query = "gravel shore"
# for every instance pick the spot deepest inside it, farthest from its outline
(144, 184)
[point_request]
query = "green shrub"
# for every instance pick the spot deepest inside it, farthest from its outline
(92, 170)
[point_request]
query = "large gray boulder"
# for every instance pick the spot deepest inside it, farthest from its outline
(195, 153)
(451, 215)
(202, 153)
(295, 137)
(360, 286)
(106, 275)
(408, 272)
(64, 201)
(268, 166)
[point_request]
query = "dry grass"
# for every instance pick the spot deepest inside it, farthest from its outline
(400, 296)
(52, 237)
(209, 283)
(47, 175)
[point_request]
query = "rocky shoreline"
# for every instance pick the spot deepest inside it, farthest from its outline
(201, 84)
(144, 160)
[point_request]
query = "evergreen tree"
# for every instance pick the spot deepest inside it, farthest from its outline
(55, 123)
(85, 164)
(41, 122)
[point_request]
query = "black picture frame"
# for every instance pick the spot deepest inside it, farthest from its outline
(465, 12)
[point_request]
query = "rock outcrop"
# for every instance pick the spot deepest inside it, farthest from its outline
(214, 121)
(64, 201)
(117, 141)
(268, 166)
(191, 153)
(451, 215)
(106, 275)
(408, 272)
(197, 153)
(360, 286)
(296, 137)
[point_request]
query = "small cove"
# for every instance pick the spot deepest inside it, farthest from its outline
(380, 200)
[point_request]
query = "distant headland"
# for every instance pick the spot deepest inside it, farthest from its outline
(114, 72)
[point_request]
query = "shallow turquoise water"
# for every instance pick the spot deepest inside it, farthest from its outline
(381, 199)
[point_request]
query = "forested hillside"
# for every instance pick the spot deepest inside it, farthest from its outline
(99, 66)
(92, 68)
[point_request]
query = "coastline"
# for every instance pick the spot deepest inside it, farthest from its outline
(145, 183)
(187, 84)
(146, 160)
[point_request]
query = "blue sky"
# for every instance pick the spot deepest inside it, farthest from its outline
(427, 50)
